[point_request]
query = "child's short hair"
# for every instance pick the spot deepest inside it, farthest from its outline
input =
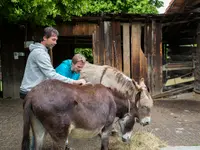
(77, 58)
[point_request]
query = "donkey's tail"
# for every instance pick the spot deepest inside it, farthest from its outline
(26, 126)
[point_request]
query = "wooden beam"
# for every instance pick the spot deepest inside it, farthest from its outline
(126, 49)
(181, 22)
(173, 92)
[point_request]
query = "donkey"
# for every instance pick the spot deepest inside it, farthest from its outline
(128, 89)
(63, 109)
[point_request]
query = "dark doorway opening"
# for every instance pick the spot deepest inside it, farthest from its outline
(66, 46)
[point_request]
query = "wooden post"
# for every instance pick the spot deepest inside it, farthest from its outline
(197, 63)
(158, 63)
(135, 52)
(147, 50)
(126, 49)
(155, 58)
(51, 55)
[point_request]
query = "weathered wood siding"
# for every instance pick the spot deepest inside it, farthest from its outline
(121, 45)
(12, 69)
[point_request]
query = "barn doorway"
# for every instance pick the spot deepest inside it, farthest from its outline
(67, 46)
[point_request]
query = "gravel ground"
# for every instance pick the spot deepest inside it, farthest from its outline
(175, 121)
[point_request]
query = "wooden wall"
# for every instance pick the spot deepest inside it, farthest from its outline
(120, 45)
(134, 48)
(12, 40)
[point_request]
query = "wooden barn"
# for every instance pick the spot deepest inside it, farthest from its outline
(164, 49)
(181, 47)
(131, 43)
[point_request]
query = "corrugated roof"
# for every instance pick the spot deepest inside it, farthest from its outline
(180, 6)
(174, 6)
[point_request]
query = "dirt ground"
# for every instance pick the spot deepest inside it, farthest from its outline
(175, 121)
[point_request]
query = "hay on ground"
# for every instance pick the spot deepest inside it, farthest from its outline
(141, 140)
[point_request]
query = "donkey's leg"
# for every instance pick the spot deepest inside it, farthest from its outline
(58, 142)
(59, 135)
(106, 131)
(38, 132)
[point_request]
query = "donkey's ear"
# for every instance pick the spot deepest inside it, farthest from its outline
(139, 88)
(141, 80)
(76, 102)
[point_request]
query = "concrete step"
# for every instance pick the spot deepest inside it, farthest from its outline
(181, 148)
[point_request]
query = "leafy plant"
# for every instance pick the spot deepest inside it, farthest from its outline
(44, 12)
(87, 52)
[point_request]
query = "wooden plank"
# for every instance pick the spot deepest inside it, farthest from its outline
(135, 52)
(126, 49)
(108, 43)
(178, 80)
(143, 65)
(153, 57)
(154, 54)
(64, 30)
(101, 42)
(12, 69)
(78, 29)
(173, 92)
(116, 36)
(95, 42)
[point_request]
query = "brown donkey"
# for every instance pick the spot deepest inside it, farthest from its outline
(62, 109)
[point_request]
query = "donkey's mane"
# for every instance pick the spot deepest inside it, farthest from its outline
(110, 77)
(122, 83)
